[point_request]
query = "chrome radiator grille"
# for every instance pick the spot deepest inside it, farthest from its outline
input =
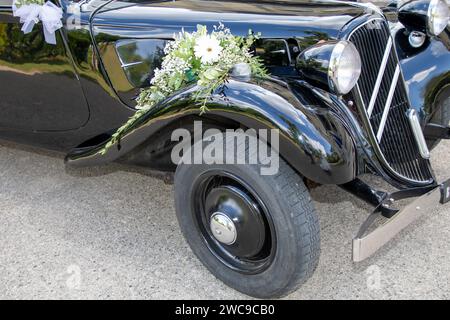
(384, 101)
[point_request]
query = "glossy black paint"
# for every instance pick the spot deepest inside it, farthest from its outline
(312, 139)
(70, 86)
(30, 78)
(322, 133)
(426, 71)
(302, 23)
(306, 20)
(413, 15)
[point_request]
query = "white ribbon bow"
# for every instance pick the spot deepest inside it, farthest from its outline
(49, 14)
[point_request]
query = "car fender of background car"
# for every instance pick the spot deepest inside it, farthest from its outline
(72, 96)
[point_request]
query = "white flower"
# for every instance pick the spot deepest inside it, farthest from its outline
(208, 49)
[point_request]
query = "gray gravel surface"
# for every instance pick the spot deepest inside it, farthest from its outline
(112, 233)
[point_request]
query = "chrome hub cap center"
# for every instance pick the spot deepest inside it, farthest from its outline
(223, 228)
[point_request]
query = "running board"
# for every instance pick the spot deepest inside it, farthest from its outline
(366, 245)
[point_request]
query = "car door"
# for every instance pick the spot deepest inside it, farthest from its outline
(39, 90)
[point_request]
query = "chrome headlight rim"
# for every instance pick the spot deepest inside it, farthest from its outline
(333, 69)
(432, 7)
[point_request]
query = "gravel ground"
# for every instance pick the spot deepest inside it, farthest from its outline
(112, 233)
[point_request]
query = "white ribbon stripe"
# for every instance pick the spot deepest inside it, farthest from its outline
(49, 14)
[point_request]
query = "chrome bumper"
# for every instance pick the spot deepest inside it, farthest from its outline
(366, 245)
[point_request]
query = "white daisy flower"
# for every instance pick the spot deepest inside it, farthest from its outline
(208, 49)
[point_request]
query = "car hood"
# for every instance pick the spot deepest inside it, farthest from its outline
(273, 19)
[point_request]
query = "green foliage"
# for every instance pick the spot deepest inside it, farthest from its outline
(198, 57)
(20, 3)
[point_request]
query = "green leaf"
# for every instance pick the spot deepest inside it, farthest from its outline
(209, 77)
(211, 74)
(178, 83)
(202, 30)
(157, 96)
(202, 83)
(190, 75)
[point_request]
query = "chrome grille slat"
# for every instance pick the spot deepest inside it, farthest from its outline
(384, 103)
(388, 103)
(384, 62)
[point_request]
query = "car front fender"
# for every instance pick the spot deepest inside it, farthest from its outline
(426, 71)
(312, 138)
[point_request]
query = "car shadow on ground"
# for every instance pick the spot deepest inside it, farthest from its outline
(116, 227)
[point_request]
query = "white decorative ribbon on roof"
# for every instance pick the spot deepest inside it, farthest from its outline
(49, 14)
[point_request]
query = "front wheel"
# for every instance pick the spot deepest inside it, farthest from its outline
(258, 234)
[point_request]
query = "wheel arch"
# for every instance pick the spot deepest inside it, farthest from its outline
(312, 138)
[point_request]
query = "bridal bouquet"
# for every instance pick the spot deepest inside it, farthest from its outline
(31, 12)
(197, 57)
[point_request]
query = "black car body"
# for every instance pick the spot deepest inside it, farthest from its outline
(71, 97)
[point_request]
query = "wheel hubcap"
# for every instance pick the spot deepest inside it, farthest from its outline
(223, 228)
(234, 222)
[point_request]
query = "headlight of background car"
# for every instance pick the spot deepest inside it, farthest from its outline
(438, 16)
(332, 65)
(427, 16)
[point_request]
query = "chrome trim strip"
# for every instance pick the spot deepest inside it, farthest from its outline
(362, 25)
(335, 55)
(364, 247)
(387, 53)
(124, 65)
(387, 106)
(418, 133)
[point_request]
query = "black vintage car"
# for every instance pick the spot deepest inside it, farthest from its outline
(257, 233)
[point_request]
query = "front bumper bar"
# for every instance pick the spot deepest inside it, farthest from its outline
(365, 244)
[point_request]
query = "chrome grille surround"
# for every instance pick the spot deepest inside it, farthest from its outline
(383, 103)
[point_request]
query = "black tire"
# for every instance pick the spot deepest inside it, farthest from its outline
(292, 215)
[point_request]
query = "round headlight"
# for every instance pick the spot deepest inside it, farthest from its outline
(438, 16)
(344, 68)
